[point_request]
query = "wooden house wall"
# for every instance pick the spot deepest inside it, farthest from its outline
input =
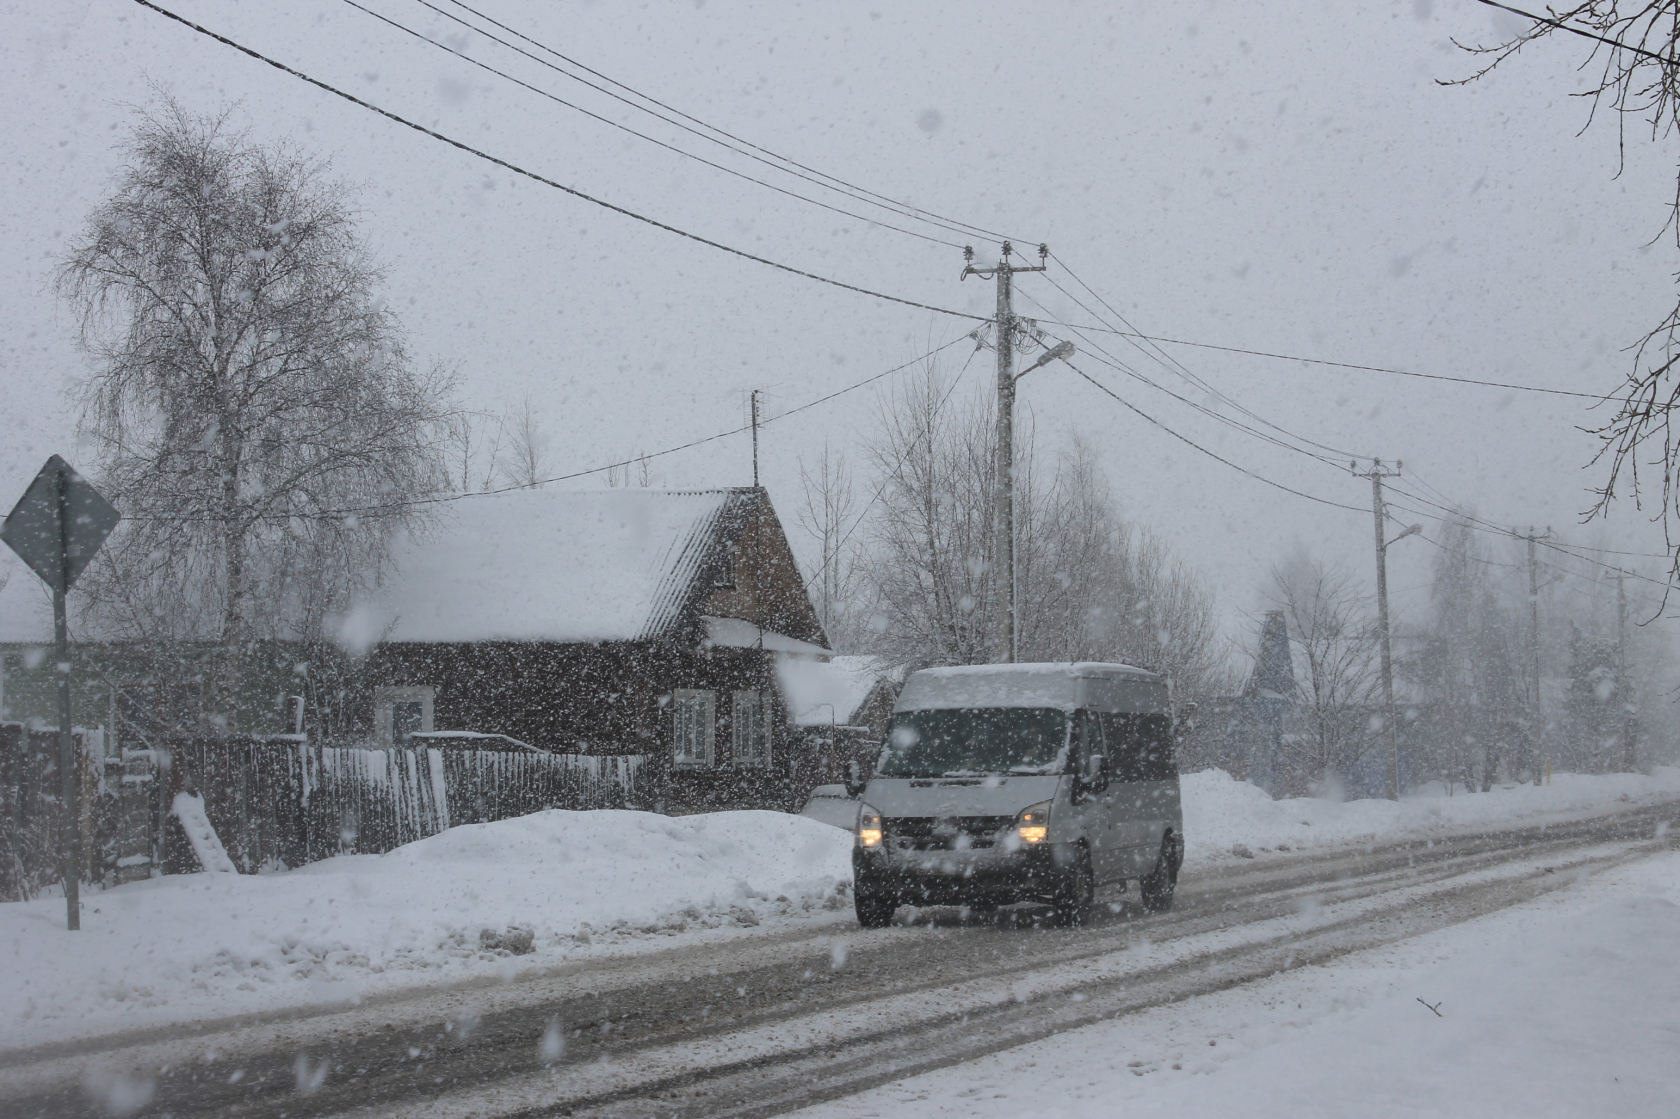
(609, 699)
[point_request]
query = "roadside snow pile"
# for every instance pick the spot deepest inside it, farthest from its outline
(1222, 814)
(477, 900)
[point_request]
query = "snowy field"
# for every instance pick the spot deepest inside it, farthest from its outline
(1562, 1007)
(492, 901)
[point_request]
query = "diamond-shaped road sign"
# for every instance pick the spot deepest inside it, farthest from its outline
(59, 524)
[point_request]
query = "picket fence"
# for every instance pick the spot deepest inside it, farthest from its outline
(277, 802)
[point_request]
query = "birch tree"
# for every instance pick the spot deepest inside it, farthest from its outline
(255, 413)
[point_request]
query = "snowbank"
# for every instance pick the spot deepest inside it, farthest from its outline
(1221, 813)
(474, 900)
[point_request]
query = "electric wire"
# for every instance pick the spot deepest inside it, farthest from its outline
(639, 135)
(446, 498)
(862, 194)
(1216, 457)
(535, 177)
(1178, 367)
(1599, 397)
(1098, 353)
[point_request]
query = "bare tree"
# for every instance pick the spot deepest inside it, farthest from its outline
(830, 516)
(1090, 586)
(1335, 634)
(931, 539)
(1638, 79)
(475, 449)
(256, 416)
(526, 459)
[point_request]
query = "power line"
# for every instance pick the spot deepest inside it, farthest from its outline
(532, 175)
(442, 499)
(1218, 458)
(626, 128)
(1174, 365)
(1100, 354)
(800, 170)
(1333, 364)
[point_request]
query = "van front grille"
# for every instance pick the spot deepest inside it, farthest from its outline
(943, 833)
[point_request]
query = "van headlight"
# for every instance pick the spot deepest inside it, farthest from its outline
(869, 827)
(1032, 824)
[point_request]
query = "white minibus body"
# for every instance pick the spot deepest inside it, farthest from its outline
(1021, 782)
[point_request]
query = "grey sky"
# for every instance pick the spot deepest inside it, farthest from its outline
(1285, 177)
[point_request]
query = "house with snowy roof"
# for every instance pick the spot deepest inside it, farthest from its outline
(608, 622)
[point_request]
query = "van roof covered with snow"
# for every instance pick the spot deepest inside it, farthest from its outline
(1062, 685)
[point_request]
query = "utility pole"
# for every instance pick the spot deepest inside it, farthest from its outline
(1624, 688)
(755, 436)
(1377, 473)
(1534, 651)
(1004, 548)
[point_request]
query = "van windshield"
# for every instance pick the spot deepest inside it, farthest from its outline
(975, 742)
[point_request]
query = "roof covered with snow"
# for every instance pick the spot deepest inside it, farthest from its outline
(820, 693)
(548, 565)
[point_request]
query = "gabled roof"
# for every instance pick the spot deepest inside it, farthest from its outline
(553, 565)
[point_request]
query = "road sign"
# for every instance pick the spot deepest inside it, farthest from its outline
(59, 524)
(57, 527)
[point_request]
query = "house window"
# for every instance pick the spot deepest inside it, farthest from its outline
(400, 712)
(692, 715)
(752, 744)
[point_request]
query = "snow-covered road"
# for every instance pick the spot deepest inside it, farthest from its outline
(767, 1023)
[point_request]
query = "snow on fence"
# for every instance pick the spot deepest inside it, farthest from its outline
(276, 802)
(288, 802)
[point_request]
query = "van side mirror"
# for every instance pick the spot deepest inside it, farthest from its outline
(1093, 773)
(852, 775)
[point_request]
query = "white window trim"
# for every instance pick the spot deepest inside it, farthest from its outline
(708, 724)
(752, 701)
(384, 699)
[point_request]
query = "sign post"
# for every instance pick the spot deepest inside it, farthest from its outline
(57, 527)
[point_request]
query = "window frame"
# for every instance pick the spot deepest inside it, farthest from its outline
(702, 702)
(747, 724)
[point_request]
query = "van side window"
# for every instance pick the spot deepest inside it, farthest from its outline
(1140, 747)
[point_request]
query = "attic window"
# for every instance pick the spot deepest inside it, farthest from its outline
(725, 576)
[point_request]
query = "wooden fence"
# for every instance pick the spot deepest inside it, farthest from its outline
(277, 802)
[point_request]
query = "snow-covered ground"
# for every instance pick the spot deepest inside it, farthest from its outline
(476, 901)
(1561, 1007)
(492, 901)
(1220, 813)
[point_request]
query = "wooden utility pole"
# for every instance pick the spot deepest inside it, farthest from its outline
(1004, 548)
(755, 436)
(1624, 686)
(1377, 473)
(1537, 730)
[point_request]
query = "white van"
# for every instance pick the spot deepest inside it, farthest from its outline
(1021, 782)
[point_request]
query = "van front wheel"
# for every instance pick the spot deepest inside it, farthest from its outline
(1158, 884)
(873, 910)
(1071, 903)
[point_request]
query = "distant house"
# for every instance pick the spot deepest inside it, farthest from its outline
(624, 621)
(841, 707)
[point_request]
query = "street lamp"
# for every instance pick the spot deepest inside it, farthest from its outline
(1387, 655)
